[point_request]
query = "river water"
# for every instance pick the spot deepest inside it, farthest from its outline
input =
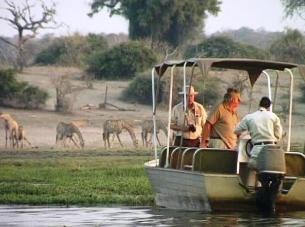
(137, 216)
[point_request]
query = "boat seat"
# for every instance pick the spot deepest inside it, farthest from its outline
(175, 159)
(162, 158)
(295, 164)
(211, 160)
(187, 158)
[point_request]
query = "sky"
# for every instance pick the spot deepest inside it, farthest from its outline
(255, 14)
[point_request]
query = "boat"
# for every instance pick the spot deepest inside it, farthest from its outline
(208, 179)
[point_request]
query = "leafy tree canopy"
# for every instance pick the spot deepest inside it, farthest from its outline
(224, 47)
(173, 21)
(294, 7)
(290, 47)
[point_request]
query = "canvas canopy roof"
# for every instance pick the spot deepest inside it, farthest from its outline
(252, 66)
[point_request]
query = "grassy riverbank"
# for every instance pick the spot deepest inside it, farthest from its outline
(74, 178)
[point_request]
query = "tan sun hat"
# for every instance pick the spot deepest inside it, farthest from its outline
(189, 89)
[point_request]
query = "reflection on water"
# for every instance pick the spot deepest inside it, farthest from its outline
(136, 216)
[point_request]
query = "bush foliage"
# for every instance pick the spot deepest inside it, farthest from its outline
(140, 90)
(19, 94)
(122, 61)
(71, 50)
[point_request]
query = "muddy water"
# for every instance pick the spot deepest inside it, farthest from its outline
(136, 216)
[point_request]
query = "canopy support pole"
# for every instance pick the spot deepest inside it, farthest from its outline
(169, 114)
(269, 87)
(154, 113)
(290, 108)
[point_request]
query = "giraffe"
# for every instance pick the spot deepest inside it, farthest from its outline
(11, 129)
(116, 127)
(66, 130)
(148, 128)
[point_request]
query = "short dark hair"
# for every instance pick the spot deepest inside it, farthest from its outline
(265, 102)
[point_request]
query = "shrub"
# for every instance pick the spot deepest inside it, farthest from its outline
(19, 94)
(51, 54)
(140, 90)
(122, 61)
(71, 50)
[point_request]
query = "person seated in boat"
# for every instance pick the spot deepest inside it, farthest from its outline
(264, 127)
(218, 131)
(187, 125)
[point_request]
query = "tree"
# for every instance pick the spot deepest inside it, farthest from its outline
(173, 21)
(290, 47)
(294, 6)
(223, 47)
(22, 19)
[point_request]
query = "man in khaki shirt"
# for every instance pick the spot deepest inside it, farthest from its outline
(219, 128)
(188, 125)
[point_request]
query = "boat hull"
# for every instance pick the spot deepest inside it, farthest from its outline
(198, 191)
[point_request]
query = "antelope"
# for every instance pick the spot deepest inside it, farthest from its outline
(148, 128)
(68, 130)
(115, 127)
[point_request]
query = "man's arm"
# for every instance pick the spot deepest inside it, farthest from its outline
(241, 126)
(205, 135)
(175, 127)
(278, 130)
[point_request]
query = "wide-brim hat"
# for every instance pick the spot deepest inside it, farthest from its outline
(189, 90)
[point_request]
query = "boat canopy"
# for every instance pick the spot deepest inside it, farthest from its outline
(254, 67)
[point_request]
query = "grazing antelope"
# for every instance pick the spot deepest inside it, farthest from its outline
(116, 127)
(148, 128)
(21, 136)
(11, 129)
(68, 130)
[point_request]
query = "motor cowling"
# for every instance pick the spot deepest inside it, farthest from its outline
(271, 169)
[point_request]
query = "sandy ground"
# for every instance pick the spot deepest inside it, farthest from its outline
(40, 125)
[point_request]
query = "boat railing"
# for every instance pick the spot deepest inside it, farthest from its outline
(210, 160)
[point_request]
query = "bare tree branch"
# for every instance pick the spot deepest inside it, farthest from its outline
(23, 21)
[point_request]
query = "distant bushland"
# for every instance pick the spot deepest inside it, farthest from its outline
(19, 94)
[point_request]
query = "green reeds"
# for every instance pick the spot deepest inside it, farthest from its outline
(74, 178)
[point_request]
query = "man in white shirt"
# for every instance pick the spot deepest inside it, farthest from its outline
(264, 127)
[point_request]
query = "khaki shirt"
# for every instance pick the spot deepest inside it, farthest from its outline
(223, 123)
(196, 116)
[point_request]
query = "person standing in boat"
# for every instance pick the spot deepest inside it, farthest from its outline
(264, 127)
(187, 125)
(218, 131)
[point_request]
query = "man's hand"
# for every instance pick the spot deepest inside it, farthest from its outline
(192, 128)
(203, 143)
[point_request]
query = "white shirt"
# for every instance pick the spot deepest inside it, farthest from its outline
(262, 125)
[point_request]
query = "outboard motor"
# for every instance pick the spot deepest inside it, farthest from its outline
(271, 169)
